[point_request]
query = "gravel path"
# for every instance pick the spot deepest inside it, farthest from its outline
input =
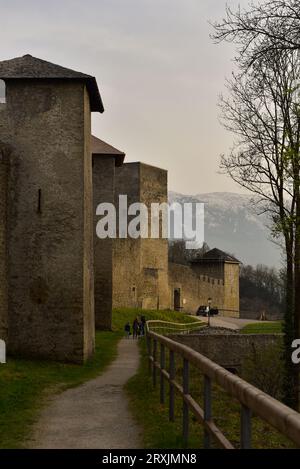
(95, 414)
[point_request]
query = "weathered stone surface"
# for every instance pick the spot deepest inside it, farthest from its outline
(49, 229)
(195, 288)
(4, 170)
(104, 184)
(140, 267)
(229, 350)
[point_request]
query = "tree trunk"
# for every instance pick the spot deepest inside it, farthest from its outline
(296, 331)
(289, 330)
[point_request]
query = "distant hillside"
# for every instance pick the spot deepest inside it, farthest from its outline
(232, 225)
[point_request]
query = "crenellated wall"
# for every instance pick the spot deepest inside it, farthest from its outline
(195, 289)
(142, 275)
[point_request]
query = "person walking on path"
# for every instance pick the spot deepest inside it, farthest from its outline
(143, 325)
(135, 328)
(127, 330)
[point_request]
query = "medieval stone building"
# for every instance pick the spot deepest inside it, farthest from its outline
(215, 276)
(58, 280)
(106, 159)
(46, 234)
(141, 275)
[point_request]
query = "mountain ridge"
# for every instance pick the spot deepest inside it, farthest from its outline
(231, 224)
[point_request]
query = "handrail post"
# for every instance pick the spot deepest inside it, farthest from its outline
(186, 390)
(246, 429)
(162, 367)
(154, 362)
(149, 352)
(172, 390)
(207, 410)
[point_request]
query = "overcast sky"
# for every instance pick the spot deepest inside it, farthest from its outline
(158, 72)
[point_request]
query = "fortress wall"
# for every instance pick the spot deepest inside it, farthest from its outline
(4, 168)
(210, 269)
(194, 289)
(88, 236)
(228, 273)
(231, 290)
(141, 265)
(104, 185)
(50, 238)
(154, 252)
(127, 252)
(230, 350)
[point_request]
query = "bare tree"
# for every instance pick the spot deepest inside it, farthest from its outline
(262, 109)
(263, 27)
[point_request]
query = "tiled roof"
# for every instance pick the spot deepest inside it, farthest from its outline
(28, 67)
(216, 255)
(99, 147)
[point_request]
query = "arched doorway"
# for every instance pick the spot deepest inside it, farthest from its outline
(177, 299)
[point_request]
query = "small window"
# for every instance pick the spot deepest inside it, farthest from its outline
(2, 92)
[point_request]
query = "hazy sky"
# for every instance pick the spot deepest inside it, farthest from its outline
(157, 69)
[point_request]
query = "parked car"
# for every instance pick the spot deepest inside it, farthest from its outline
(203, 311)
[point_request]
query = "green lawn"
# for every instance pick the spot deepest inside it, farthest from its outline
(25, 385)
(275, 327)
(122, 315)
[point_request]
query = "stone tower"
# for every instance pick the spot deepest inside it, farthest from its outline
(45, 129)
(105, 159)
(140, 273)
(226, 268)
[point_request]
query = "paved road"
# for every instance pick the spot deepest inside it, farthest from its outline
(231, 323)
(95, 414)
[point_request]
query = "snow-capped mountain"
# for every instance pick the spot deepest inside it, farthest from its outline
(233, 225)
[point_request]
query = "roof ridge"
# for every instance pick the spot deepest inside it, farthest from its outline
(102, 146)
(29, 67)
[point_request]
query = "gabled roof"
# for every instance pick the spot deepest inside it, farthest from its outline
(100, 148)
(216, 255)
(28, 67)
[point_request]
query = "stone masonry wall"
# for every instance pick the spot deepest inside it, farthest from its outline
(141, 265)
(49, 232)
(194, 289)
(230, 350)
(154, 252)
(231, 290)
(88, 237)
(4, 168)
(127, 252)
(103, 182)
(228, 274)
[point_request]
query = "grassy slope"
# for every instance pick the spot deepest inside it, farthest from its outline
(160, 433)
(122, 315)
(25, 385)
(263, 328)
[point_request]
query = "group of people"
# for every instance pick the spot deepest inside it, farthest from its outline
(138, 328)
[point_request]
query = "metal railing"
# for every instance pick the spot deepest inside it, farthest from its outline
(251, 399)
(166, 327)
